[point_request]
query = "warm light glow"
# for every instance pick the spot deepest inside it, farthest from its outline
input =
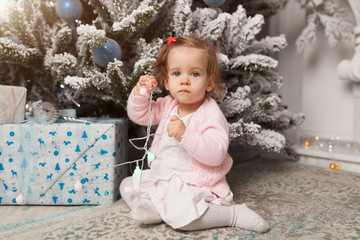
(307, 144)
(4, 6)
(334, 167)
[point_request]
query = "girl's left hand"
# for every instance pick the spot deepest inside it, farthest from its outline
(176, 128)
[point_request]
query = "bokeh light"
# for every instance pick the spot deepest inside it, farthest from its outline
(4, 6)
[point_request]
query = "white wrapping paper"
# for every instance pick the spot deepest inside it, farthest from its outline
(44, 162)
(12, 104)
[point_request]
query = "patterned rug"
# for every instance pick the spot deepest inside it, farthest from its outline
(299, 201)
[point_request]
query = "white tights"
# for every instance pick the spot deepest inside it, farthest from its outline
(238, 215)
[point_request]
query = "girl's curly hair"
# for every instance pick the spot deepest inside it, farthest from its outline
(213, 65)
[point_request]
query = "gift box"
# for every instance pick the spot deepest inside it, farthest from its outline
(68, 163)
(12, 104)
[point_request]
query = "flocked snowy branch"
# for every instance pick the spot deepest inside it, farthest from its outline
(236, 102)
(328, 15)
(11, 51)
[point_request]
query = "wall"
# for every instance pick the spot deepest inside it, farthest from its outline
(311, 84)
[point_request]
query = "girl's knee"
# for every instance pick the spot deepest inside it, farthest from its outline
(127, 180)
(125, 183)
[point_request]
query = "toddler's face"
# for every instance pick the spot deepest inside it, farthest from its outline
(187, 75)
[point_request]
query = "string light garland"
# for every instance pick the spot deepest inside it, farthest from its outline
(150, 156)
(314, 142)
(331, 146)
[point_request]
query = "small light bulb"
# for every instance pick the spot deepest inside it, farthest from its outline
(143, 91)
(150, 156)
(307, 143)
(78, 185)
(19, 199)
(137, 171)
(334, 167)
(330, 147)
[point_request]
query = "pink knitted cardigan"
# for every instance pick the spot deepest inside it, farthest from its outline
(206, 138)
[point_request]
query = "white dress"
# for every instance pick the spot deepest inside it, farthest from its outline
(169, 184)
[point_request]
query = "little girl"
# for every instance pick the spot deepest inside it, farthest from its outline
(185, 185)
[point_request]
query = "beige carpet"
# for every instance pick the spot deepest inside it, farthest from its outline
(299, 201)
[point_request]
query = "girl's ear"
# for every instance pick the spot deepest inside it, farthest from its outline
(167, 84)
(210, 85)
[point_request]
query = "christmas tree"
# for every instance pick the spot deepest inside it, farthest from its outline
(95, 51)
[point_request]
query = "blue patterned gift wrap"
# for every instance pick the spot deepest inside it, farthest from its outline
(43, 162)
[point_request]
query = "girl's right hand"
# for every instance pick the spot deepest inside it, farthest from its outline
(145, 85)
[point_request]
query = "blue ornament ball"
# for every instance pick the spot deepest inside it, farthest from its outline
(106, 53)
(69, 10)
(214, 3)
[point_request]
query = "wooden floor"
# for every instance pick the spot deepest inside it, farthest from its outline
(14, 214)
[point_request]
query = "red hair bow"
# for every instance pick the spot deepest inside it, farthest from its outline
(170, 40)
